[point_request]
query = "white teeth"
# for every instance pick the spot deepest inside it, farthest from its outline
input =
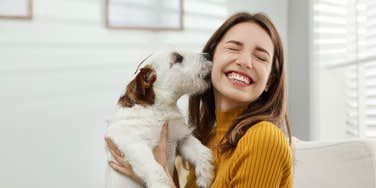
(239, 77)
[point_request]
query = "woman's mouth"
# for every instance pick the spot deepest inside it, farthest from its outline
(239, 79)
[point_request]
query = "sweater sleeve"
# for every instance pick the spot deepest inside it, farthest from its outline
(262, 159)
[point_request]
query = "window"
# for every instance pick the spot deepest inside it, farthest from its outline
(344, 47)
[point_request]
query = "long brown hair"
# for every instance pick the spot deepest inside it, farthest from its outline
(270, 106)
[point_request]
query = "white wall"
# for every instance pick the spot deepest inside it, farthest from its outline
(60, 75)
(300, 71)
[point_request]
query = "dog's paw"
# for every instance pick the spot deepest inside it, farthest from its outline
(204, 170)
(206, 180)
(205, 176)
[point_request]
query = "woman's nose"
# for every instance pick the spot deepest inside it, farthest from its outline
(245, 60)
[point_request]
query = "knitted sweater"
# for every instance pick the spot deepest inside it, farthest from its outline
(261, 159)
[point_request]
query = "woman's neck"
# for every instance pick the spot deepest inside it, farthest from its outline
(225, 104)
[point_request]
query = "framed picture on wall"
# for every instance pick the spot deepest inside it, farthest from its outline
(145, 14)
(17, 9)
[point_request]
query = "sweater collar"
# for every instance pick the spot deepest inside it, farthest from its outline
(225, 118)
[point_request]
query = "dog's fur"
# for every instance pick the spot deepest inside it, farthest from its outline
(149, 101)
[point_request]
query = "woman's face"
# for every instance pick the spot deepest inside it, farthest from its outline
(241, 65)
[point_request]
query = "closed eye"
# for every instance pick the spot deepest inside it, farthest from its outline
(233, 49)
(261, 58)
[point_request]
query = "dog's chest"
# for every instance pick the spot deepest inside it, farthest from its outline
(177, 129)
(146, 124)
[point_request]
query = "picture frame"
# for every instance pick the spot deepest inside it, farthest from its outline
(16, 9)
(144, 15)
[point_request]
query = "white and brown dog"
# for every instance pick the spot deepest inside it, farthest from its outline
(149, 101)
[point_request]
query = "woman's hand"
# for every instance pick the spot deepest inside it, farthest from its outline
(160, 152)
(121, 166)
(160, 155)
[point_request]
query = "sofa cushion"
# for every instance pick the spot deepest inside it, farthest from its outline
(342, 164)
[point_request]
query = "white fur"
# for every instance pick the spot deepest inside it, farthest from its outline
(136, 130)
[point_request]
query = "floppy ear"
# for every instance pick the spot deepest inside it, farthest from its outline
(144, 80)
(140, 89)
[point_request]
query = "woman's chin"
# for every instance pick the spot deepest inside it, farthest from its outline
(238, 97)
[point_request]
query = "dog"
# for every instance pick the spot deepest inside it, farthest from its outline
(150, 100)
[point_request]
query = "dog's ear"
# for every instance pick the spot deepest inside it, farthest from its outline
(145, 80)
(140, 89)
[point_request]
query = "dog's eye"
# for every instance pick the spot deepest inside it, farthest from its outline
(177, 58)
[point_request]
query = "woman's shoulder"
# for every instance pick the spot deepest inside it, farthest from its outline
(266, 128)
(265, 137)
(264, 148)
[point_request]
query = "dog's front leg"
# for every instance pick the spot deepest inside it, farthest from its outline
(191, 149)
(141, 158)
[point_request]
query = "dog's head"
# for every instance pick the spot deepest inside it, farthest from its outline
(166, 76)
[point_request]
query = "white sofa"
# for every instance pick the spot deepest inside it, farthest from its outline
(335, 164)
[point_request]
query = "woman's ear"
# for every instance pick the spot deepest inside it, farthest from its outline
(140, 89)
(266, 88)
(269, 83)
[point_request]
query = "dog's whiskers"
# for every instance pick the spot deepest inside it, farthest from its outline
(141, 63)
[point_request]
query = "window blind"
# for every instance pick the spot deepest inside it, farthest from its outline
(344, 37)
(367, 64)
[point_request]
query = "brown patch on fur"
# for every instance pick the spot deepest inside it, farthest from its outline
(140, 89)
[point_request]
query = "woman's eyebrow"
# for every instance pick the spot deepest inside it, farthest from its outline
(235, 42)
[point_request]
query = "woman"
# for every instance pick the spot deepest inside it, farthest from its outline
(241, 116)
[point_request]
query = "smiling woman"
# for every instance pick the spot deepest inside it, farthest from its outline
(240, 117)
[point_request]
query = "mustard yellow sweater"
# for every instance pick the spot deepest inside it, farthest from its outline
(262, 158)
